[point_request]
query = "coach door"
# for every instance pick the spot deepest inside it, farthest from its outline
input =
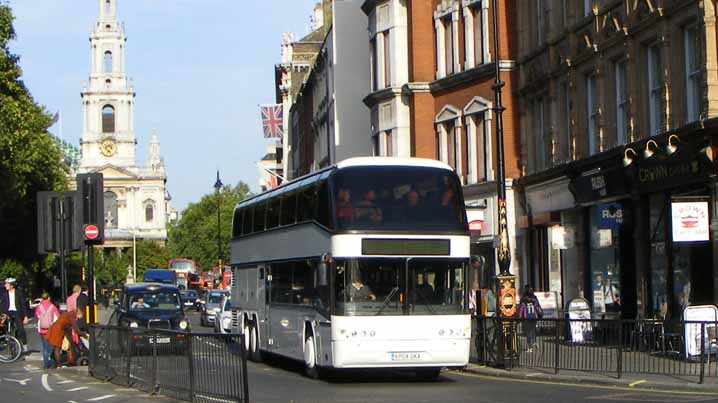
(261, 295)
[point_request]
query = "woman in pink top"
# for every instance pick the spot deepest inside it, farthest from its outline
(46, 314)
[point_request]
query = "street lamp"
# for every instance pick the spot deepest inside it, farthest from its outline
(217, 187)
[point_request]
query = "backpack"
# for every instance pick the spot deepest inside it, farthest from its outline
(45, 320)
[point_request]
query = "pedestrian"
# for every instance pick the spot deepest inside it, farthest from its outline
(530, 310)
(60, 334)
(47, 314)
(72, 299)
(14, 304)
(83, 300)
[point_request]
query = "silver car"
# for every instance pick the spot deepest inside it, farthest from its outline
(223, 318)
(212, 305)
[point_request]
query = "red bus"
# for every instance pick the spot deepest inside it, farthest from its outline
(186, 269)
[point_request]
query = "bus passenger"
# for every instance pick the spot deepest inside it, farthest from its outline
(345, 211)
(367, 209)
(414, 206)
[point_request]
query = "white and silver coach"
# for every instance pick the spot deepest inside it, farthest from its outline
(360, 265)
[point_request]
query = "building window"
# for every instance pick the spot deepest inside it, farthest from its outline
(477, 148)
(539, 22)
(448, 44)
(388, 144)
(540, 149)
(621, 103)
(374, 64)
(107, 62)
(566, 122)
(693, 73)
(592, 111)
(108, 6)
(149, 212)
(386, 60)
(475, 40)
(655, 90)
(587, 7)
(108, 119)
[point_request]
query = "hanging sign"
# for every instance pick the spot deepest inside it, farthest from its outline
(690, 221)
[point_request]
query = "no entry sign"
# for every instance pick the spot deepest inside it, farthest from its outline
(91, 232)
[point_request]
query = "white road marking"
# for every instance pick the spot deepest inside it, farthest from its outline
(71, 401)
(95, 399)
(45, 384)
(22, 382)
(65, 381)
(78, 388)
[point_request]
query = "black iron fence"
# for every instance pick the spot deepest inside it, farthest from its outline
(607, 346)
(186, 366)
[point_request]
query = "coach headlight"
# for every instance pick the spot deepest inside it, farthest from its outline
(134, 325)
(183, 324)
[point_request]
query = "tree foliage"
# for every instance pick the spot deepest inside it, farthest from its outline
(30, 161)
(194, 236)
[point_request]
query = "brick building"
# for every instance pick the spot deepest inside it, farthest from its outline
(432, 69)
(617, 101)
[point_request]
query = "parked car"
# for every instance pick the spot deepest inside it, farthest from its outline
(151, 306)
(212, 305)
(188, 297)
(223, 318)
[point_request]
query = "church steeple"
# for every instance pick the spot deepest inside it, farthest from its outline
(108, 100)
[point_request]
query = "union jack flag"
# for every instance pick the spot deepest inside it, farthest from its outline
(272, 120)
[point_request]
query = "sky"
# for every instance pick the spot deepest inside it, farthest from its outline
(200, 69)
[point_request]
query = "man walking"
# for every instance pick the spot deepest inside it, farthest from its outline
(14, 304)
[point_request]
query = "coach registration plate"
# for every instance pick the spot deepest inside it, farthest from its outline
(405, 356)
(160, 340)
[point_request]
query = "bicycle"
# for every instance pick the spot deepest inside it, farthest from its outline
(10, 346)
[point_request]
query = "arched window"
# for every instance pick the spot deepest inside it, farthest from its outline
(108, 6)
(108, 119)
(110, 210)
(108, 62)
(149, 212)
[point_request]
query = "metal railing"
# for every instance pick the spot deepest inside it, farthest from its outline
(598, 345)
(195, 367)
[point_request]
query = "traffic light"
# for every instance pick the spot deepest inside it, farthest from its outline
(58, 217)
(90, 188)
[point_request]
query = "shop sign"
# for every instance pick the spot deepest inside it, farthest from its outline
(654, 175)
(476, 226)
(700, 313)
(599, 185)
(549, 305)
(546, 197)
(690, 221)
(609, 216)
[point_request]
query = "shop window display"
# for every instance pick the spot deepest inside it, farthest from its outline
(605, 263)
(658, 261)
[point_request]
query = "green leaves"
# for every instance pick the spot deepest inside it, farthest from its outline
(30, 161)
(194, 236)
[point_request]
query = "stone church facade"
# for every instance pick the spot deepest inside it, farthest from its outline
(137, 204)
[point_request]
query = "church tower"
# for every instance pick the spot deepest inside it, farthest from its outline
(108, 99)
(137, 204)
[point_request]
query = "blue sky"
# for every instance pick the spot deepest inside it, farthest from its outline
(200, 68)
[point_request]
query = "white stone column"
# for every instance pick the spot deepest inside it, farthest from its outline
(473, 160)
(440, 60)
(485, 30)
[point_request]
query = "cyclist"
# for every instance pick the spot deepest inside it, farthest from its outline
(14, 304)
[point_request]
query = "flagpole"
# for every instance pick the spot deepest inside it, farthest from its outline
(59, 113)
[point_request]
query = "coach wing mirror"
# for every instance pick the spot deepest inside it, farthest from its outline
(323, 270)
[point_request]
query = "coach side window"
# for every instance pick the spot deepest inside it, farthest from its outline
(324, 213)
(247, 221)
(289, 209)
(273, 213)
(237, 222)
(306, 206)
(260, 209)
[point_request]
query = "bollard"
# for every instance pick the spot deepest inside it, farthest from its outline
(557, 346)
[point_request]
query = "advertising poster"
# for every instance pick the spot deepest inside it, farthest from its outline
(548, 301)
(580, 330)
(702, 313)
(690, 221)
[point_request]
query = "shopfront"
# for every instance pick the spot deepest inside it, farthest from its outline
(637, 238)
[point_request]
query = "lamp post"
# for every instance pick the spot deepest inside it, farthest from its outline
(218, 187)
(505, 281)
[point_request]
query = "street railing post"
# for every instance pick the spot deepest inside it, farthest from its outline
(619, 363)
(245, 376)
(557, 346)
(191, 367)
(155, 367)
(703, 351)
(128, 356)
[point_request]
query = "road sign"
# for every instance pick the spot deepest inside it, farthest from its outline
(91, 232)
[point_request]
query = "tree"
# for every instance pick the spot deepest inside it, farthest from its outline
(30, 160)
(194, 236)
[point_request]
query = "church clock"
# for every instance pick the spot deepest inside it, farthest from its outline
(108, 148)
